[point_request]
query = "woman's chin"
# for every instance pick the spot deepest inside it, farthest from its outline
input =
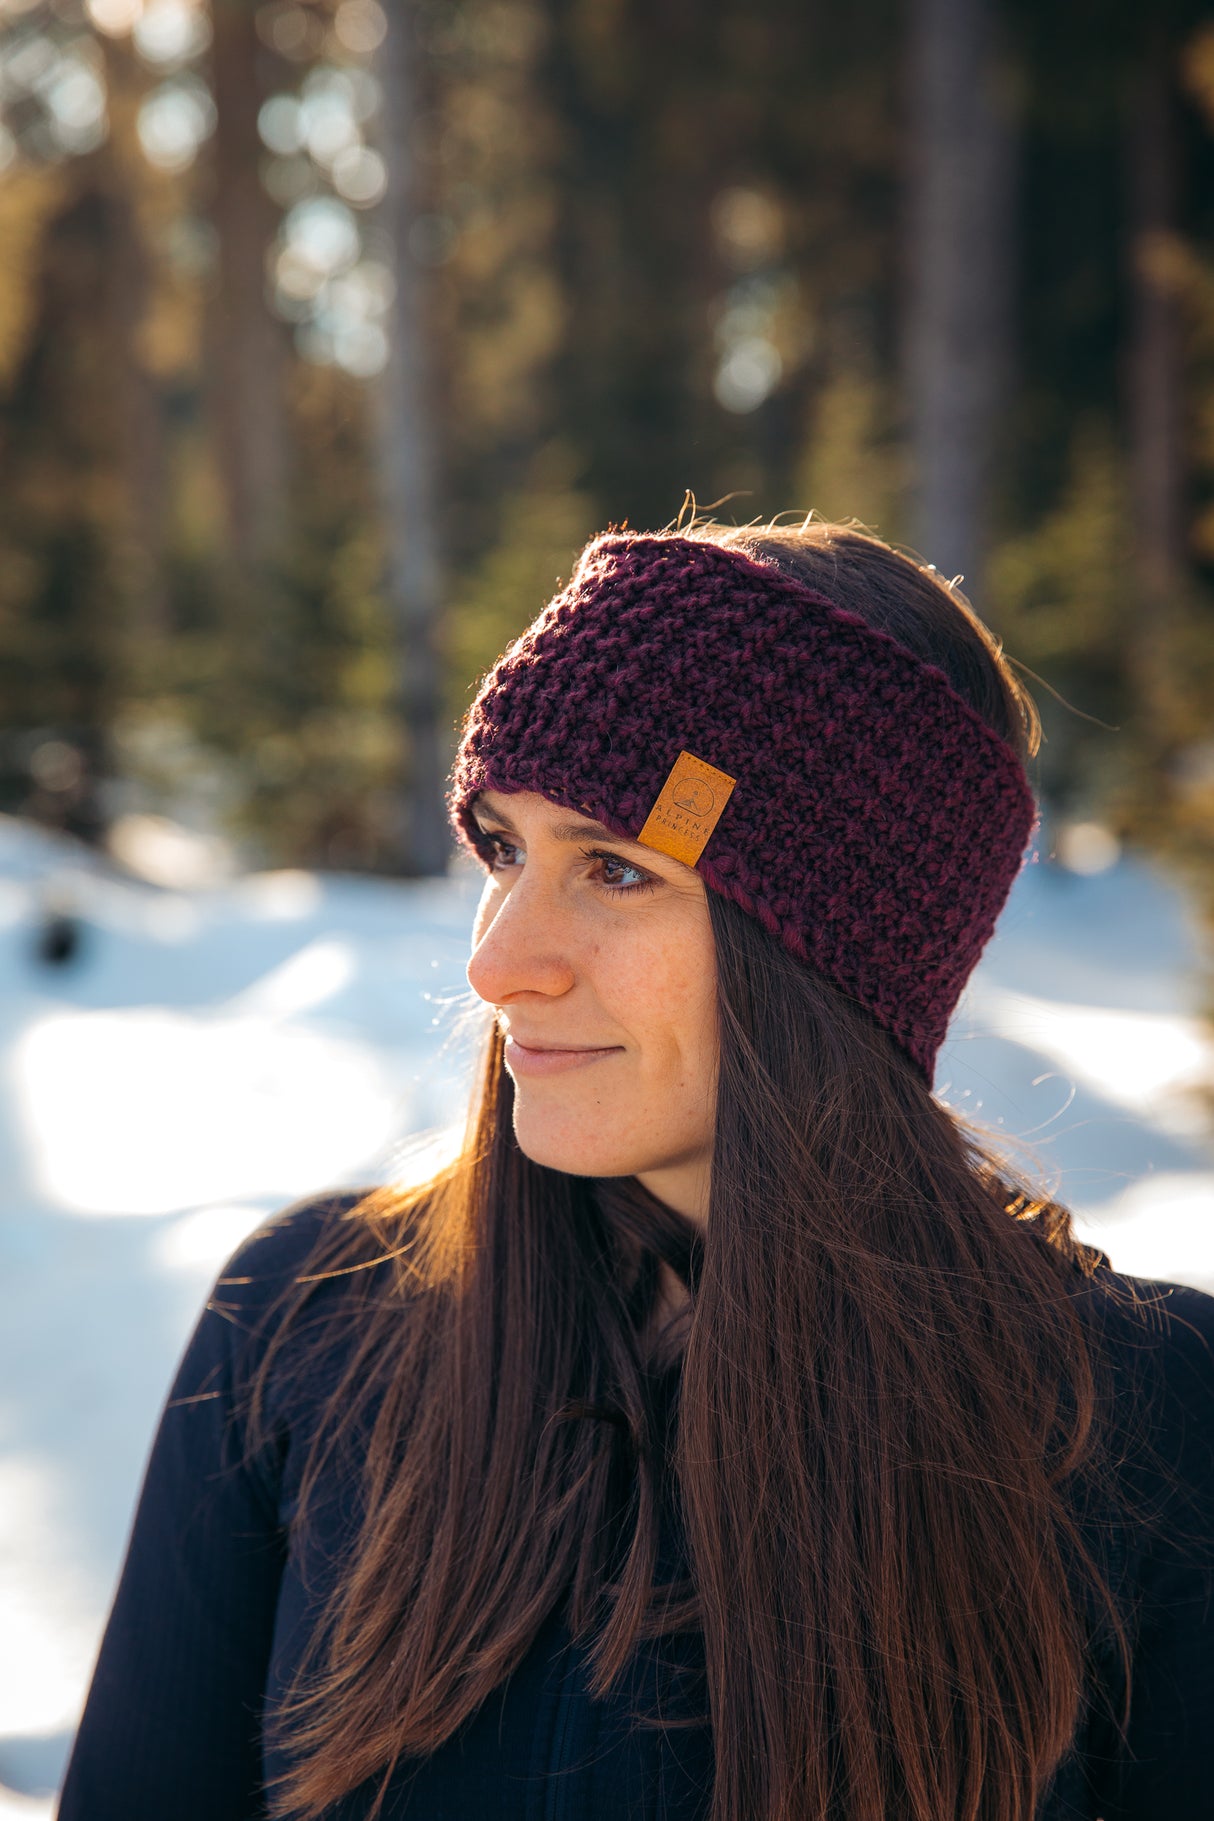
(568, 1150)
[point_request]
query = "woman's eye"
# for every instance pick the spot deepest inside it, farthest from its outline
(616, 876)
(612, 867)
(497, 847)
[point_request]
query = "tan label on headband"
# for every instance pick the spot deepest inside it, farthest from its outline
(688, 809)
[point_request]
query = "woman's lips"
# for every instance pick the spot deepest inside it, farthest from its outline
(522, 1061)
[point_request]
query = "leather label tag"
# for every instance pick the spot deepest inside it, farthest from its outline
(687, 809)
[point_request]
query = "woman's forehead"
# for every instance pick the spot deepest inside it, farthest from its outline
(507, 806)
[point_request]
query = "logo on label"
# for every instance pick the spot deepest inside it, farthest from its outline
(693, 795)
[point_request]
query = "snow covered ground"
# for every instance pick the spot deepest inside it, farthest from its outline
(206, 1056)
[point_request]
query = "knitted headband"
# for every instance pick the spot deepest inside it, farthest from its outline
(811, 768)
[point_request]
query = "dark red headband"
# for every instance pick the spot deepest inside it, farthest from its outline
(875, 823)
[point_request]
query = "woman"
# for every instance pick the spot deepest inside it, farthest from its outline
(726, 1432)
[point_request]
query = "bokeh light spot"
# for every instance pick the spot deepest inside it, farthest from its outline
(76, 100)
(280, 126)
(323, 234)
(290, 30)
(360, 175)
(1087, 847)
(748, 374)
(747, 225)
(174, 121)
(170, 32)
(361, 26)
(114, 17)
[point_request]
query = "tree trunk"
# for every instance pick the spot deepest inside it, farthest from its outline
(408, 464)
(1153, 375)
(139, 417)
(246, 354)
(961, 164)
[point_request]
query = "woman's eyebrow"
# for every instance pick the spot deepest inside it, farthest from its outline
(563, 831)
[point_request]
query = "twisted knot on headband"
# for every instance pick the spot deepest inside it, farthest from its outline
(876, 823)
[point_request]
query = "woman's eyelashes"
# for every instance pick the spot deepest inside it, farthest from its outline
(643, 881)
(498, 846)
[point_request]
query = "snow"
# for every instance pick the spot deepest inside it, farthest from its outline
(207, 1055)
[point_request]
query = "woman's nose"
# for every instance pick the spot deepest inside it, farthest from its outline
(524, 948)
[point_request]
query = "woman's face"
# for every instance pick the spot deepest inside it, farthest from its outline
(597, 956)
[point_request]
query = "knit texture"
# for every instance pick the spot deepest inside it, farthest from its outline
(877, 823)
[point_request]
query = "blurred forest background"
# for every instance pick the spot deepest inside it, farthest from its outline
(329, 329)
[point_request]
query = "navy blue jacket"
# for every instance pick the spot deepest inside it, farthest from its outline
(219, 1590)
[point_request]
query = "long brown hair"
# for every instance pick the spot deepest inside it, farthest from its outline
(894, 1596)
